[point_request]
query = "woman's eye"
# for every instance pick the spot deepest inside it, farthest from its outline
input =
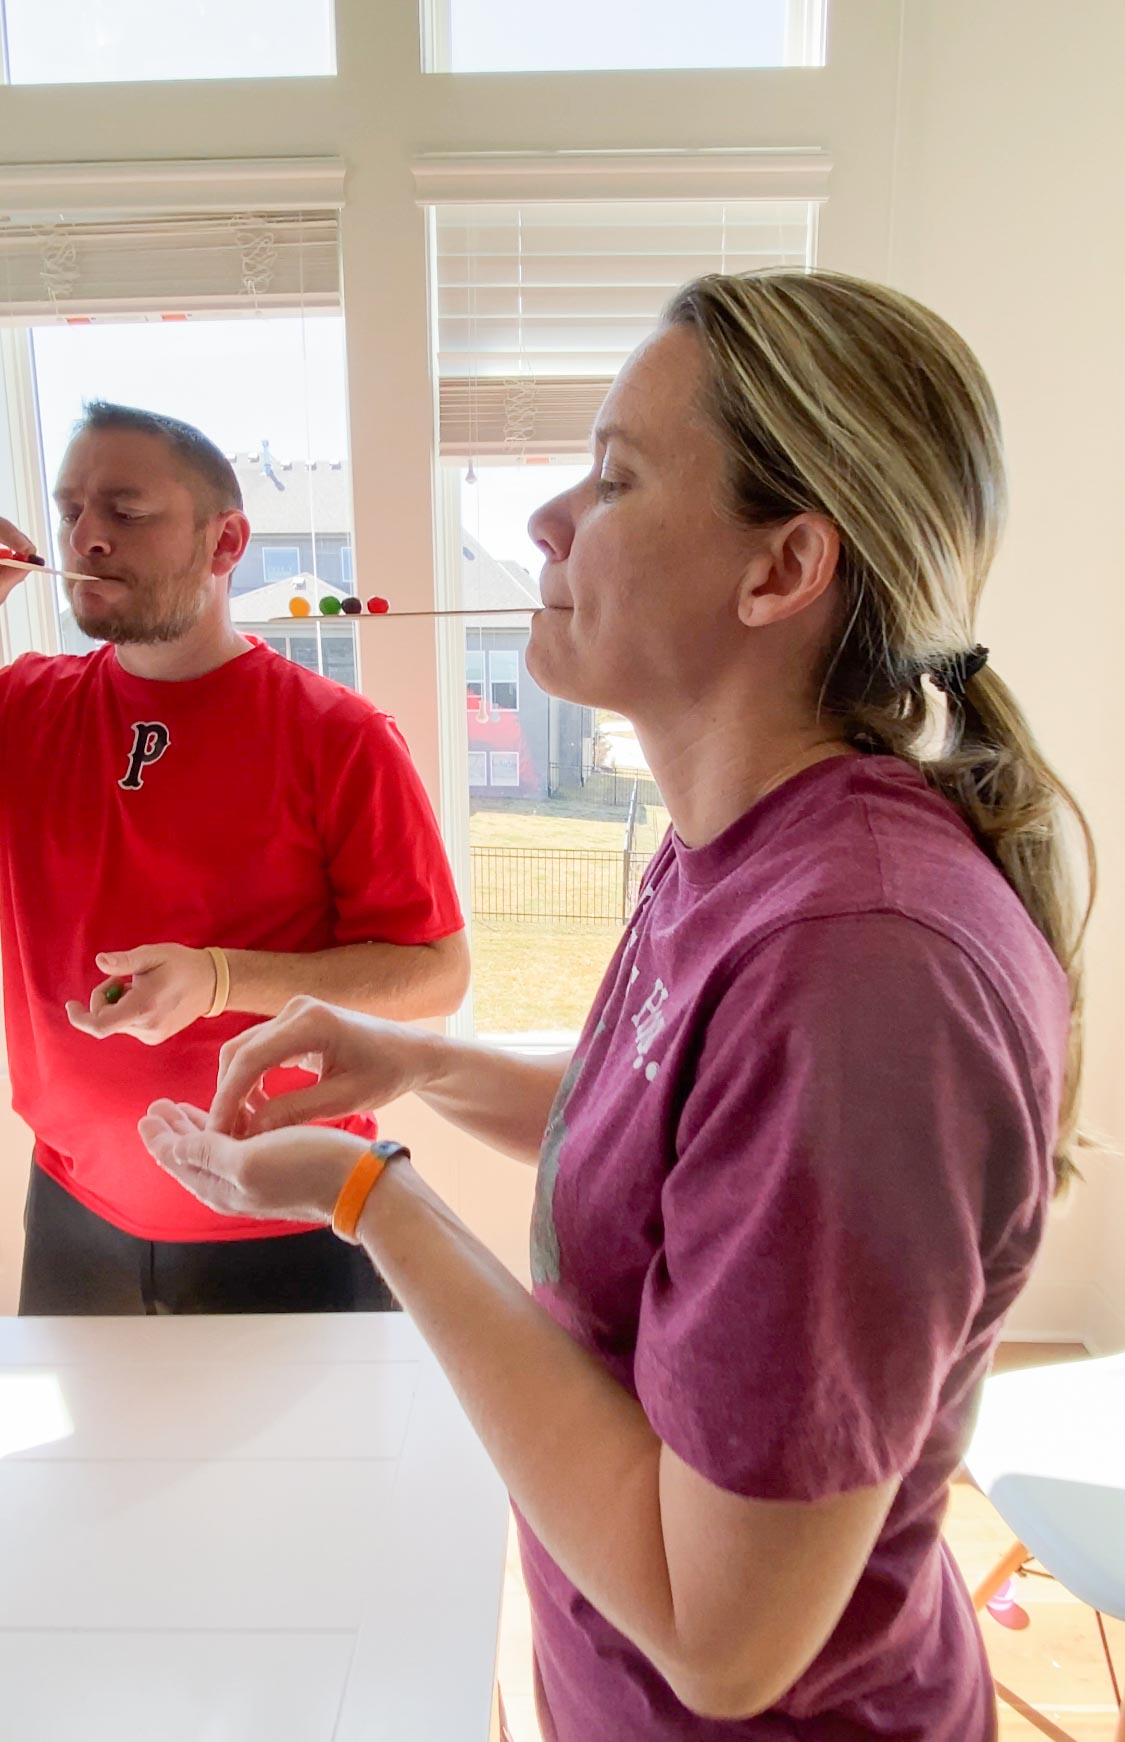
(608, 487)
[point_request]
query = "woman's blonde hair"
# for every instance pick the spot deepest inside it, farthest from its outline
(843, 398)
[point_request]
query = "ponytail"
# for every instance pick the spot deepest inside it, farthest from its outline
(1028, 822)
(834, 396)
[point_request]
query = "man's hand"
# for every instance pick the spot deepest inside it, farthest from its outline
(167, 987)
(12, 539)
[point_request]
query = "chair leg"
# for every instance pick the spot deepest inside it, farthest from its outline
(1035, 1718)
(1016, 1557)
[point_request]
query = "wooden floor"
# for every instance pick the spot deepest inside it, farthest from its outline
(1055, 1664)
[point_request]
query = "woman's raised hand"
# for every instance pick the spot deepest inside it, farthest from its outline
(361, 1062)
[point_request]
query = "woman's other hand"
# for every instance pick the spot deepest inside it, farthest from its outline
(291, 1175)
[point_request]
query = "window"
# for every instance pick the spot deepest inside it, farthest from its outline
(280, 562)
(540, 304)
(504, 768)
(493, 36)
(168, 313)
(551, 880)
(91, 41)
(504, 681)
(347, 568)
(328, 649)
(537, 307)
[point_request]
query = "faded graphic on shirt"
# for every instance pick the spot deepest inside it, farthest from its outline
(544, 1237)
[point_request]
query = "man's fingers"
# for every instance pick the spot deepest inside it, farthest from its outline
(109, 995)
(87, 1020)
(106, 1016)
(14, 540)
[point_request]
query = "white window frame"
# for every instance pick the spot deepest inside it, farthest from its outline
(504, 758)
(805, 38)
(474, 686)
(29, 620)
(275, 550)
(347, 566)
(478, 768)
(5, 68)
(504, 653)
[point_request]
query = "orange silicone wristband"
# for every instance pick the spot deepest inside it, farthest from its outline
(354, 1194)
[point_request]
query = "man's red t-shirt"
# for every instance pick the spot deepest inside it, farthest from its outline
(259, 807)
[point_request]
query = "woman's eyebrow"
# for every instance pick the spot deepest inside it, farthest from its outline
(604, 433)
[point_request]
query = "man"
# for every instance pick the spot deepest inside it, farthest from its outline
(187, 816)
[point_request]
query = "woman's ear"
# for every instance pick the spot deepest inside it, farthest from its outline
(793, 567)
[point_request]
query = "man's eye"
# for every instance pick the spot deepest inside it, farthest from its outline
(608, 487)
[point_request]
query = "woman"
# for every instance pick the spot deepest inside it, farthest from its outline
(798, 1166)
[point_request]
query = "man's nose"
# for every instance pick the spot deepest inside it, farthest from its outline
(88, 537)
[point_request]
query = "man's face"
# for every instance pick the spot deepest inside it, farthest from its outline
(129, 518)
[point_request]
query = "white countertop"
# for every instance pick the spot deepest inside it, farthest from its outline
(242, 1529)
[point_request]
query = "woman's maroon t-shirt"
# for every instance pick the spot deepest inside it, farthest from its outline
(795, 1176)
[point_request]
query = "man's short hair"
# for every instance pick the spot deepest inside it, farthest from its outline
(215, 487)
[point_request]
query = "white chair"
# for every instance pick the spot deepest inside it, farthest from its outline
(1049, 1452)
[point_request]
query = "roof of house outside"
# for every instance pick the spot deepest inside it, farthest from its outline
(292, 496)
(489, 585)
(319, 495)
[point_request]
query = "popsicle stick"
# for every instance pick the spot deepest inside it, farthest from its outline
(381, 616)
(10, 562)
(15, 562)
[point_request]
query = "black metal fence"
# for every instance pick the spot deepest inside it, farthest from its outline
(554, 885)
(567, 885)
(602, 786)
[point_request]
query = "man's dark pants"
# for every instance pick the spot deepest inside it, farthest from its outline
(74, 1262)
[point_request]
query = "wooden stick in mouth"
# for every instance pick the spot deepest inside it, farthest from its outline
(381, 616)
(41, 568)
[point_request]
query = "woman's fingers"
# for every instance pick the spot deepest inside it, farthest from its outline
(244, 1062)
(328, 1099)
(205, 1162)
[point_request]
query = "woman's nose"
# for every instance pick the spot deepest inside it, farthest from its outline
(552, 528)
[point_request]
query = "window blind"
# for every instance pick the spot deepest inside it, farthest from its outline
(169, 265)
(538, 305)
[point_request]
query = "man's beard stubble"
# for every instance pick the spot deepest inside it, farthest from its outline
(155, 611)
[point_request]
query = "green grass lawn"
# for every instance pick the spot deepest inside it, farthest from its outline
(539, 973)
(562, 823)
(532, 976)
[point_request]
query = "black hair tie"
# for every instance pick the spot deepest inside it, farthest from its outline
(950, 675)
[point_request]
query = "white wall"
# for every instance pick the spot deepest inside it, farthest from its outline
(1007, 219)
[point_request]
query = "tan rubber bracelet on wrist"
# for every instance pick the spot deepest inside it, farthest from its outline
(222, 980)
(358, 1186)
